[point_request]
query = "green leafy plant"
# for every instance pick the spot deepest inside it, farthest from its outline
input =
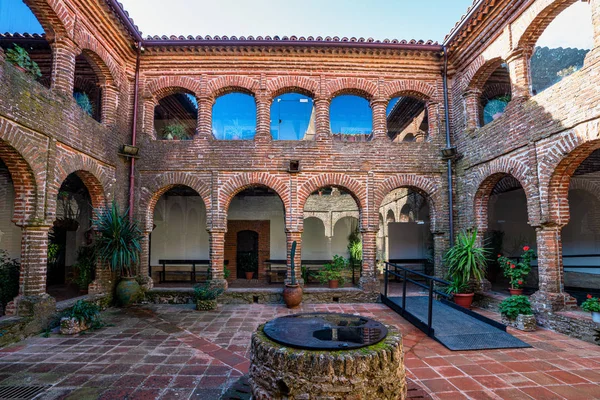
(517, 272)
(20, 57)
(248, 262)
(175, 131)
(87, 313)
(592, 304)
(305, 273)
(225, 272)
(458, 286)
(118, 240)
(9, 278)
(466, 260)
(333, 271)
(84, 102)
(515, 305)
(85, 265)
(206, 292)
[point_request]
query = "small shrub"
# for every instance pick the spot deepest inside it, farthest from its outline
(20, 57)
(515, 305)
(85, 265)
(333, 271)
(592, 304)
(458, 286)
(517, 272)
(175, 131)
(9, 278)
(86, 312)
(83, 101)
(206, 292)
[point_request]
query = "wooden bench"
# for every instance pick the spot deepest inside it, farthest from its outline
(276, 271)
(162, 275)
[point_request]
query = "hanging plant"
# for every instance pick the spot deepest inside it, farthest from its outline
(19, 57)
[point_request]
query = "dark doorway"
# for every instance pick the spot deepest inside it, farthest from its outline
(247, 253)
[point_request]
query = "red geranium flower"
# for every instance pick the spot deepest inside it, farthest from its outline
(520, 282)
(512, 266)
(499, 255)
(589, 296)
(526, 248)
(508, 262)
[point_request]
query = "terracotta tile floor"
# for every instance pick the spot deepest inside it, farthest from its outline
(175, 352)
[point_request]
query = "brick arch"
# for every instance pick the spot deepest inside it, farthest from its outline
(561, 161)
(236, 184)
(107, 69)
(413, 88)
(535, 21)
(586, 185)
(350, 185)
(159, 185)
(95, 178)
(340, 216)
(479, 74)
(167, 85)
(235, 83)
(355, 86)
(425, 186)
(292, 84)
(53, 15)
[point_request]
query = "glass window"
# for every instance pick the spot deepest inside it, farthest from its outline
(234, 117)
(176, 116)
(350, 116)
(293, 117)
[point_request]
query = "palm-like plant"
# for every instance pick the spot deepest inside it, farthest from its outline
(118, 240)
(466, 260)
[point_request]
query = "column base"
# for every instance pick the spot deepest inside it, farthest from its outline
(146, 282)
(219, 283)
(369, 284)
(549, 302)
(42, 306)
(482, 286)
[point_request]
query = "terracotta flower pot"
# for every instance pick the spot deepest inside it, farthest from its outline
(333, 284)
(464, 299)
(249, 275)
(292, 295)
(515, 292)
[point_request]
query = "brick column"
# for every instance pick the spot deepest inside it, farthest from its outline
(217, 256)
(440, 245)
(551, 295)
(110, 103)
(263, 115)
(205, 106)
(144, 271)
(378, 110)
(368, 280)
(34, 253)
(322, 120)
(435, 114)
(64, 52)
(292, 236)
(472, 106)
(520, 77)
(104, 280)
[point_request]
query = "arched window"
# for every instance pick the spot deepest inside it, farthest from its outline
(561, 49)
(86, 89)
(350, 118)
(496, 95)
(176, 116)
(293, 117)
(234, 117)
(407, 118)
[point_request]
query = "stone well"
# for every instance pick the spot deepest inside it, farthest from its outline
(342, 368)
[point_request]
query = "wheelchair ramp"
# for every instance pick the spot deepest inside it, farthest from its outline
(453, 326)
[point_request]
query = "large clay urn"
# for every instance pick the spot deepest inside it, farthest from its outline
(292, 295)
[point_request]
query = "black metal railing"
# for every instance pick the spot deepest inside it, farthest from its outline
(429, 285)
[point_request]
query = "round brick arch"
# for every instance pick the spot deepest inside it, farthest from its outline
(53, 15)
(481, 71)
(417, 89)
(167, 85)
(353, 86)
(229, 84)
(101, 61)
(236, 184)
(355, 188)
(539, 15)
(292, 84)
(159, 185)
(425, 186)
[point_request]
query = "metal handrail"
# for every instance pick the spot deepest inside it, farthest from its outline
(442, 281)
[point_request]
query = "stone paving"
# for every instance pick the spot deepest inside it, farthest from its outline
(175, 352)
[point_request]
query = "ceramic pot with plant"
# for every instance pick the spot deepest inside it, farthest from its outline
(118, 243)
(174, 131)
(248, 263)
(292, 293)
(592, 304)
(517, 272)
(516, 312)
(205, 296)
(331, 273)
(20, 58)
(466, 262)
(461, 293)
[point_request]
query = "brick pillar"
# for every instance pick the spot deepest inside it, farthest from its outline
(34, 253)
(104, 280)
(64, 52)
(440, 245)
(322, 121)
(551, 295)
(263, 117)
(520, 77)
(217, 256)
(144, 271)
(110, 103)
(368, 280)
(378, 110)
(205, 106)
(472, 106)
(296, 236)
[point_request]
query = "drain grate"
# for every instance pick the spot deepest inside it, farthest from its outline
(21, 392)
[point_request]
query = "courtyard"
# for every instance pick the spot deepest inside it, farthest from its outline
(176, 352)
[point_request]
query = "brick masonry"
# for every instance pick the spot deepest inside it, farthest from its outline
(539, 140)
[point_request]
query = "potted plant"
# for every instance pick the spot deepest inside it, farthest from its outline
(83, 101)
(84, 267)
(516, 312)
(331, 273)
(82, 316)
(461, 292)
(206, 296)
(248, 263)
(174, 131)
(466, 262)
(20, 58)
(118, 243)
(592, 304)
(292, 293)
(517, 272)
